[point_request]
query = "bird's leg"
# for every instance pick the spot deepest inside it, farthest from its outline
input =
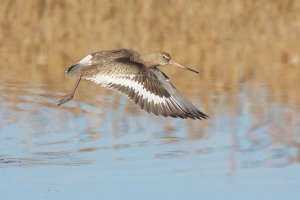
(70, 95)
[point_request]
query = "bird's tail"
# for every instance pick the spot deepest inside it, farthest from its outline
(72, 70)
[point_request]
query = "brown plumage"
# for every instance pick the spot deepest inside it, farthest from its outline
(138, 77)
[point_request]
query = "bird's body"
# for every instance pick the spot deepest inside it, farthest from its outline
(138, 77)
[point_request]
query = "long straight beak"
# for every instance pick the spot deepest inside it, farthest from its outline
(179, 65)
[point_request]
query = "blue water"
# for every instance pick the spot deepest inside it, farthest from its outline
(105, 148)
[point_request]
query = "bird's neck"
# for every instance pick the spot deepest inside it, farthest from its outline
(147, 60)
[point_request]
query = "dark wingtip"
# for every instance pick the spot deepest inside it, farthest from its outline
(204, 116)
(200, 116)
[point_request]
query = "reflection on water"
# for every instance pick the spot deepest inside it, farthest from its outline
(36, 132)
(100, 143)
(123, 143)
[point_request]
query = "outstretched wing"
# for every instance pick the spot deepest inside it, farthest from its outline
(182, 107)
(149, 88)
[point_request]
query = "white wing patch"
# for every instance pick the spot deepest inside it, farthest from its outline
(174, 105)
(86, 59)
(106, 81)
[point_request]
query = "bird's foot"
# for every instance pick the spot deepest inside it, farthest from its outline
(65, 99)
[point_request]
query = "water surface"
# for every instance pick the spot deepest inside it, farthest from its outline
(98, 146)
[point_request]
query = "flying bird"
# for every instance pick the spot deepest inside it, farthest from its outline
(138, 77)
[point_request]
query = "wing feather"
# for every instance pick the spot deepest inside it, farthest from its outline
(150, 89)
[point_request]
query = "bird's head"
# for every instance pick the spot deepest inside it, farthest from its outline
(163, 58)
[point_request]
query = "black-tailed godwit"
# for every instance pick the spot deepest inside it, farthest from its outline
(138, 77)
